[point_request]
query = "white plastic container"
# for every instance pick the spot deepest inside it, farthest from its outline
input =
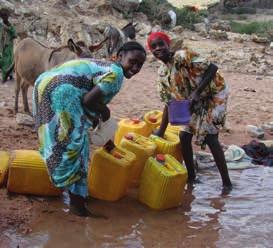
(103, 132)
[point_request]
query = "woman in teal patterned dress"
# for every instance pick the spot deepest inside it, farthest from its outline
(64, 100)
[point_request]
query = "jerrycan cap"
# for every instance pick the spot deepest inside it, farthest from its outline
(117, 155)
(160, 157)
(152, 119)
(135, 120)
(129, 136)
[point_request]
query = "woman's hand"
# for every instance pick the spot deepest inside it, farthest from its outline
(105, 112)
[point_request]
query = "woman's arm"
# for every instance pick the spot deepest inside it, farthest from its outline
(208, 76)
(92, 101)
(164, 123)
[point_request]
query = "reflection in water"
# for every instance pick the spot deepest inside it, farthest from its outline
(242, 218)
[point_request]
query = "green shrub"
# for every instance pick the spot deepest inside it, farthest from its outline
(262, 28)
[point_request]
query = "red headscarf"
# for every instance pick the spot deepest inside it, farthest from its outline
(156, 35)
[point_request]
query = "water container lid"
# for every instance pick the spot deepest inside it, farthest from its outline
(117, 155)
(160, 157)
(135, 120)
(129, 136)
(152, 119)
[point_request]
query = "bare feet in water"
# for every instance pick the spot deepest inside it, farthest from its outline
(78, 206)
(226, 189)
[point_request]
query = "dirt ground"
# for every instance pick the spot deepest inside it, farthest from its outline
(250, 102)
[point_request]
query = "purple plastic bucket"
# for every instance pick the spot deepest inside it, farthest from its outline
(179, 112)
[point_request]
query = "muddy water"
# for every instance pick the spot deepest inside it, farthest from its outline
(244, 218)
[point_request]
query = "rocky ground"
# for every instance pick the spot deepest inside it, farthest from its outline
(246, 65)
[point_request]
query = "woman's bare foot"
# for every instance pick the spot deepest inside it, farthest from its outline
(226, 189)
(78, 207)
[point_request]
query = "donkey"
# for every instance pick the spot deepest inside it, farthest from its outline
(31, 58)
(116, 37)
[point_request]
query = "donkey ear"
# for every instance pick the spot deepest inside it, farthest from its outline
(73, 47)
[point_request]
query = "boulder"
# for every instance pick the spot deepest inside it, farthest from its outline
(221, 25)
(178, 29)
(200, 27)
(259, 39)
(218, 35)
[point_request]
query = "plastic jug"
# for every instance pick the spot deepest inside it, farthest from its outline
(179, 112)
(174, 129)
(153, 119)
(28, 174)
(143, 148)
(103, 132)
(109, 173)
(131, 125)
(169, 144)
(4, 164)
(162, 182)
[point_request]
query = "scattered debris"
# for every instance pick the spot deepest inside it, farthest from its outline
(249, 89)
(255, 132)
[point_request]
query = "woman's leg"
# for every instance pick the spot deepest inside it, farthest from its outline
(78, 200)
(187, 152)
(219, 157)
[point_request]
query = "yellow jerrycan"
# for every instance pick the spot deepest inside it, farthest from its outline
(162, 182)
(131, 125)
(4, 164)
(174, 129)
(169, 144)
(153, 119)
(109, 173)
(28, 174)
(143, 148)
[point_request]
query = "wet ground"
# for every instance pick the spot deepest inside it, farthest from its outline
(243, 218)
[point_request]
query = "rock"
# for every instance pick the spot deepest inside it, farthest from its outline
(218, 35)
(240, 38)
(262, 69)
(3, 104)
(254, 131)
(193, 38)
(176, 43)
(126, 6)
(144, 29)
(178, 29)
(268, 127)
(7, 5)
(221, 25)
(24, 119)
(254, 58)
(200, 27)
(271, 45)
(26, 12)
(259, 39)
(103, 7)
(156, 28)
